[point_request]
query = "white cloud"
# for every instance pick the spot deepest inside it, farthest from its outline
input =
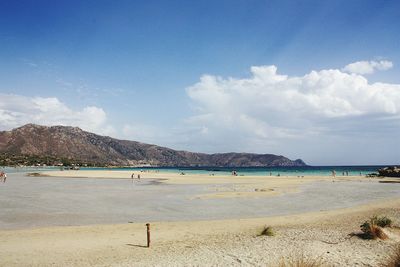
(16, 110)
(264, 110)
(367, 67)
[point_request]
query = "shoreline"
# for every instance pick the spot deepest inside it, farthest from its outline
(126, 174)
(276, 171)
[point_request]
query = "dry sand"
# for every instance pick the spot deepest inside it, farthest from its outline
(206, 243)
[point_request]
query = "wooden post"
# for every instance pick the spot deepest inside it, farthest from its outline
(148, 234)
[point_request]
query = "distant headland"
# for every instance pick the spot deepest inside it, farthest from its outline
(64, 145)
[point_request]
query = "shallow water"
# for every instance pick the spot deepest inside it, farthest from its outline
(45, 201)
(245, 171)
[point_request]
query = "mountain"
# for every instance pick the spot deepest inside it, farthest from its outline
(74, 143)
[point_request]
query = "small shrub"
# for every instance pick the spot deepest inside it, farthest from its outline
(301, 261)
(267, 231)
(394, 259)
(384, 221)
(371, 229)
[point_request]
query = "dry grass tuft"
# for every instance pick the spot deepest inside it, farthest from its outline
(394, 259)
(301, 261)
(267, 231)
(378, 232)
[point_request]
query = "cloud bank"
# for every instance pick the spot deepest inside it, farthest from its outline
(330, 116)
(269, 108)
(17, 110)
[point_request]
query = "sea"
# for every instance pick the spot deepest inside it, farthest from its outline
(241, 171)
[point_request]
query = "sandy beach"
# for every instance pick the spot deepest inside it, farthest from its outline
(321, 233)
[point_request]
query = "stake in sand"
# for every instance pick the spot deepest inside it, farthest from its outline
(148, 234)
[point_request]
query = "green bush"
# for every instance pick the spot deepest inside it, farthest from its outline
(383, 221)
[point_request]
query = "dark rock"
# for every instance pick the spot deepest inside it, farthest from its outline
(393, 171)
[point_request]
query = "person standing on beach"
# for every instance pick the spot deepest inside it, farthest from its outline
(334, 173)
(138, 176)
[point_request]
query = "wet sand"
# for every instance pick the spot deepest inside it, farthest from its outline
(29, 202)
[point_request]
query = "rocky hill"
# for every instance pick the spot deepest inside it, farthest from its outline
(74, 143)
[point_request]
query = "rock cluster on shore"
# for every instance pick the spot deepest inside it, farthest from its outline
(393, 171)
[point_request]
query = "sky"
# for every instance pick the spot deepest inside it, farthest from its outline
(316, 80)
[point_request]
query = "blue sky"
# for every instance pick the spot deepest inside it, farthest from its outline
(132, 70)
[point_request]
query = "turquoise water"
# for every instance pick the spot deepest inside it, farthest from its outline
(258, 171)
(262, 171)
(27, 169)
